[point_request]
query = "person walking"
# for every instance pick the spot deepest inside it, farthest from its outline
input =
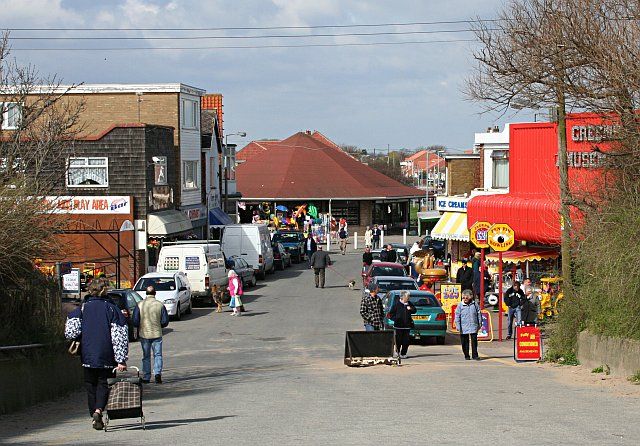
(514, 297)
(464, 276)
(344, 237)
(310, 246)
(104, 345)
(150, 316)
(371, 310)
(319, 262)
(469, 321)
(368, 237)
(475, 267)
(235, 291)
(375, 237)
(400, 314)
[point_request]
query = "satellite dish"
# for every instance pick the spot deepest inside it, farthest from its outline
(127, 226)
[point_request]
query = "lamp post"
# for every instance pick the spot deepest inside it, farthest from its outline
(226, 166)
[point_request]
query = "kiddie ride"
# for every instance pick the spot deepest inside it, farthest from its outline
(550, 297)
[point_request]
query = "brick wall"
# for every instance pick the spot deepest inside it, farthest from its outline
(464, 175)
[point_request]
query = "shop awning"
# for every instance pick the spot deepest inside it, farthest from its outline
(217, 217)
(521, 256)
(533, 217)
(451, 226)
(165, 223)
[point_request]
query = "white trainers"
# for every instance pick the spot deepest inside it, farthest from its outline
(403, 356)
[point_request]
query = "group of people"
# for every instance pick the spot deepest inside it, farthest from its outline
(523, 305)
(102, 331)
(372, 237)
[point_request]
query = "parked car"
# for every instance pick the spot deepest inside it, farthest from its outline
(203, 264)
(243, 270)
(403, 252)
(382, 269)
(281, 256)
(430, 320)
(252, 243)
(293, 241)
(127, 300)
(172, 289)
(436, 245)
(384, 284)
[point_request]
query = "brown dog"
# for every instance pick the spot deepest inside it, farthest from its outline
(217, 297)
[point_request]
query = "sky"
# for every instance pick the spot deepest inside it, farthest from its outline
(402, 96)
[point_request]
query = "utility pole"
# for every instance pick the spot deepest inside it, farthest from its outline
(565, 193)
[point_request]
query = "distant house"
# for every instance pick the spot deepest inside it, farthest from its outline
(308, 168)
(416, 165)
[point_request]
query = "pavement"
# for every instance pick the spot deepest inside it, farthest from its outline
(276, 376)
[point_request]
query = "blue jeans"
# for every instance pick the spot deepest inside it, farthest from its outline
(369, 327)
(514, 313)
(147, 345)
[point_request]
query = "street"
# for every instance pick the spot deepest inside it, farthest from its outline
(276, 376)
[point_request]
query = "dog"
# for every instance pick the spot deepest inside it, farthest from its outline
(352, 284)
(217, 297)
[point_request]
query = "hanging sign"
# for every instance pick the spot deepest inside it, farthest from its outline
(478, 234)
(500, 237)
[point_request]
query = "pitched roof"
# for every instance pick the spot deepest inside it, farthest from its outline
(305, 167)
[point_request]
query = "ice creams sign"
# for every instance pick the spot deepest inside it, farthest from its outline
(90, 204)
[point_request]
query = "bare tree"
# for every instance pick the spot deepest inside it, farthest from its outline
(38, 124)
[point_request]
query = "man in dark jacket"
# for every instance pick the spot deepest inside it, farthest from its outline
(514, 298)
(464, 276)
(371, 310)
(319, 262)
(400, 314)
(104, 343)
(376, 234)
(390, 255)
(310, 246)
(367, 257)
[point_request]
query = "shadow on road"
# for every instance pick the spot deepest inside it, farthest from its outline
(253, 313)
(197, 313)
(164, 424)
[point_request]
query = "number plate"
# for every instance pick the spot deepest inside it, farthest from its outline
(421, 318)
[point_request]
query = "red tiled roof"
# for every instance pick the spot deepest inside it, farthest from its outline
(213, 101)
(305, 167)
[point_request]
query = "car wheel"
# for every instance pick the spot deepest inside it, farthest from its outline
(178, 313)
(189, 308)
(440, 340)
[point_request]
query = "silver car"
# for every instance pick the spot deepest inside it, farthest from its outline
(172, 289)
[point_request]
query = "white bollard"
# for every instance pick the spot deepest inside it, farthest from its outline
(404, 236)
(329, 241)
(381, 239)
(355, 240)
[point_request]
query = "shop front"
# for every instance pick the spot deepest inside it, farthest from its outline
(531, 208)
(163, 226)
(452, 226)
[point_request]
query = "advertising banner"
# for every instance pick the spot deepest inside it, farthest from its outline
(527, 344)
(71, 282)
(90, 204)
(450, 295)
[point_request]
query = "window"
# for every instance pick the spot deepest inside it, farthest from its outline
(160, 170)
(171, 263)
(500, 171)
(88, 172)
(190, 175)
(230, 166)
(190, 114)
(11, 114)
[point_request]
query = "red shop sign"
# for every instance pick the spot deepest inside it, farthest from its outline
(527, 344)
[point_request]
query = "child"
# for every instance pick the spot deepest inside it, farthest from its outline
(235, 290)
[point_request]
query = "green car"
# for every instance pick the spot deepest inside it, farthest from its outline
(429, 320)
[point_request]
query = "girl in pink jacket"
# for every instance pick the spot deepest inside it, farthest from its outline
(235, 290)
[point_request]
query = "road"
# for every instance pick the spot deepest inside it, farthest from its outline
(276, 376)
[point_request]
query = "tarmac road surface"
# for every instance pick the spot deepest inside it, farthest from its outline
(276, 376)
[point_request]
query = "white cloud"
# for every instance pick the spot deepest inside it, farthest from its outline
(37, 13)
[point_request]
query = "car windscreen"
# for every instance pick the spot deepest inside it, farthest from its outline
(159, 283)
(287, 237)
(387, 271)
(390, 285)
(424, 301)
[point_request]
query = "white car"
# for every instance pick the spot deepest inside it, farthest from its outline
(172, 289)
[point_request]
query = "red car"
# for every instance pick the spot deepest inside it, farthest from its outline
(382, 269)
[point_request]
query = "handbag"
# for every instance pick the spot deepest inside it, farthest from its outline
(74, 348)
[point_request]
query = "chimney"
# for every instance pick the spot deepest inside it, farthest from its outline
(496, 129)
(489, 130)
(308, 132)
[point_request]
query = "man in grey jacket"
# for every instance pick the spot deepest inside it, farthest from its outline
(319, 262)
(151, 317)
(468, 320)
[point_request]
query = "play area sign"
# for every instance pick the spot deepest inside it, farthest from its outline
(500, 237)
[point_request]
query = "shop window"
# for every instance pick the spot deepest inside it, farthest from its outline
(500, 169)
(190, 174)
(11, 115)
(349, 210)
(88, 172)
(230, 166)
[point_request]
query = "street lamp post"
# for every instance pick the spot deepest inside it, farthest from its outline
(226, 166)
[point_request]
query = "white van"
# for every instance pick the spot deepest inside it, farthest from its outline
(203, 263)
(252, 243)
